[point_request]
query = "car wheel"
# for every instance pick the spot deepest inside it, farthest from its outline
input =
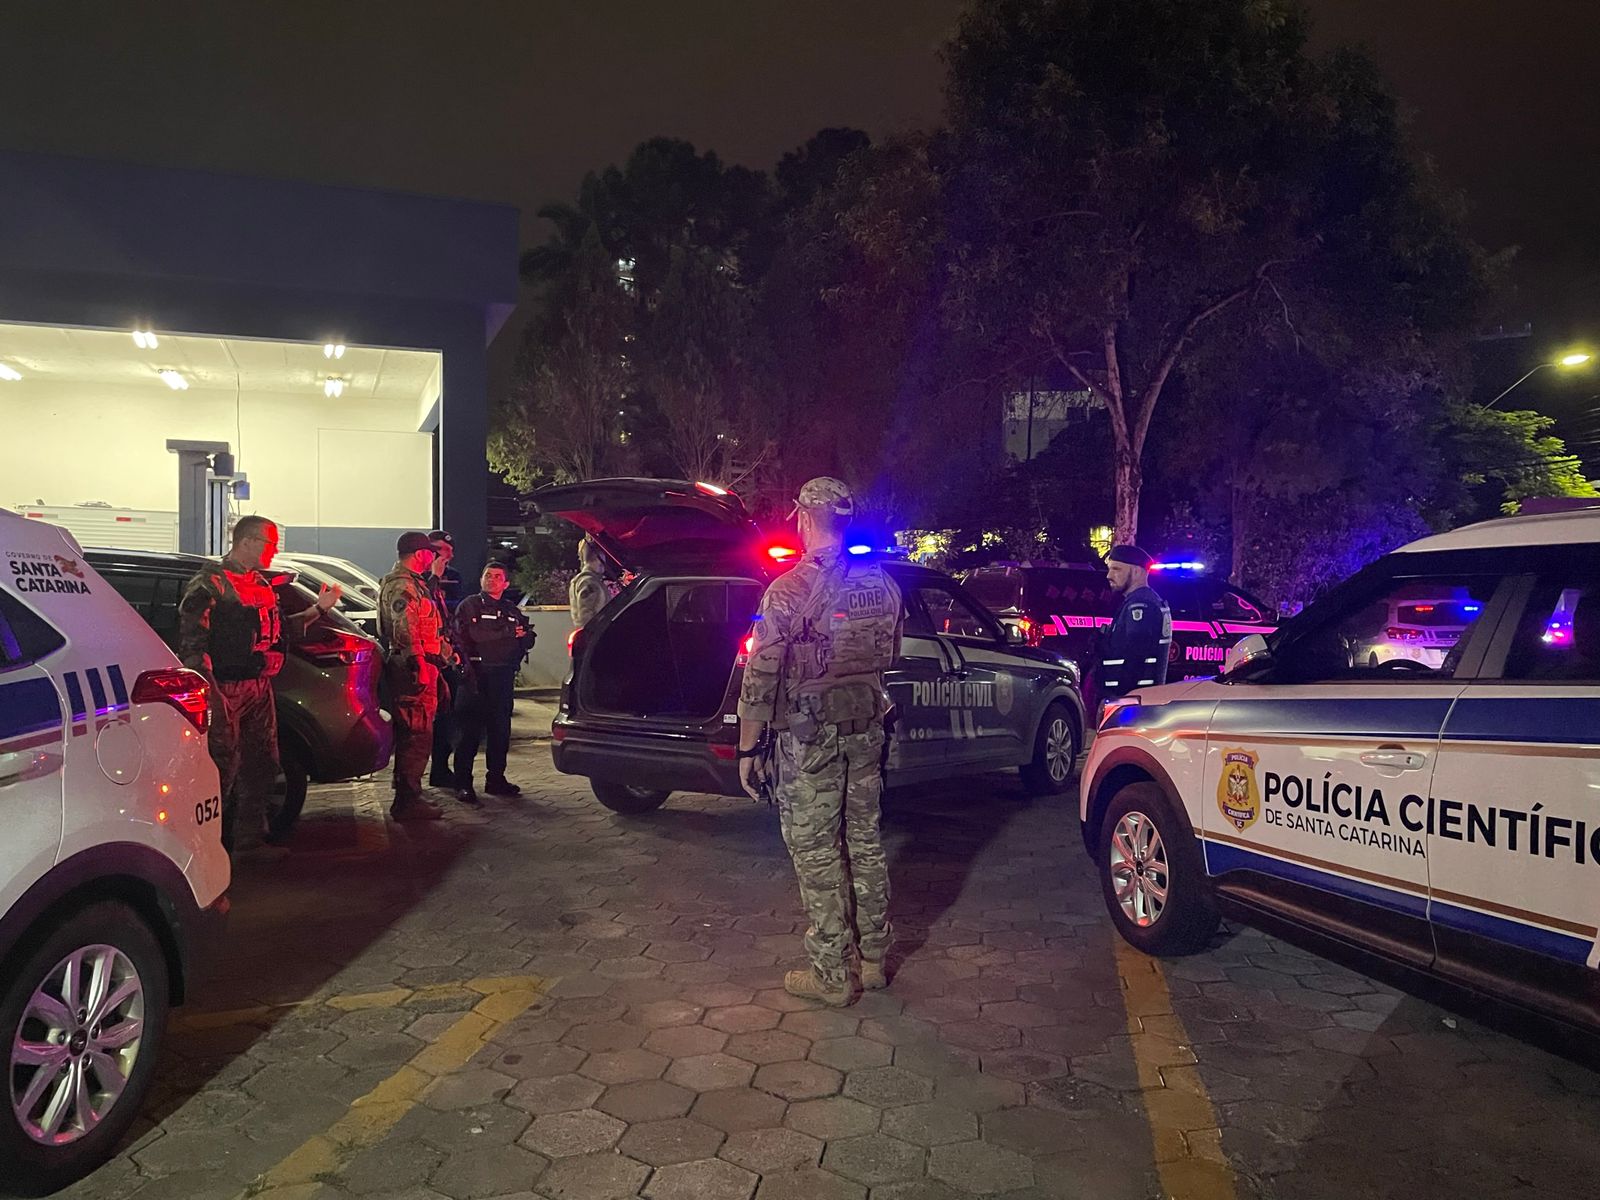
(296, 767)
(83, 1019)
(1152, 874)
(1055, 753)
(625, 798)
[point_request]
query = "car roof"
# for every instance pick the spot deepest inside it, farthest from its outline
(151, 558)
(1537, 529)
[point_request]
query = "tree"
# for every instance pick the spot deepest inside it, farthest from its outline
(1124, 174)
(561, 420)
(695, 362)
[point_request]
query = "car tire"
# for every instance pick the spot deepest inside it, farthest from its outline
(109, 937)
(1152, 874)
(295, 763)
(625, 798)
(1055, 753)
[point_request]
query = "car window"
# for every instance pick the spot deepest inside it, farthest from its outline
(917, 622)
(1408, 629)
(1183, 598)
(1558, 638)
(1069, 591)
(954, 616)
(1215, 601)
(25, 636)
(137, 588)
(996, 591)
(295, 598)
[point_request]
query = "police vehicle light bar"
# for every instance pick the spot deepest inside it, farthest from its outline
(859, 548)
(1178, 566)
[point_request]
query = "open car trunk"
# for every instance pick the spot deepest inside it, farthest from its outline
(669, 653)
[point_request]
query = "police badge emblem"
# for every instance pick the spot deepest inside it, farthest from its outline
(1238, 796)
(1004, 693)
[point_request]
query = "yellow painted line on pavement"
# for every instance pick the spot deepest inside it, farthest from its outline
(1183, 1121)
(372, 1116)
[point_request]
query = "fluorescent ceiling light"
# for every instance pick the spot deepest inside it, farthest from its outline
(333, 387)
(145, 340)
(174, 381)
(10, 373)
(333, 350)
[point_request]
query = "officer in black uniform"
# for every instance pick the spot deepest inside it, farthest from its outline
(492, 636)
(1134, 653)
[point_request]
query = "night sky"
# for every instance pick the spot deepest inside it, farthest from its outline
(513, 100)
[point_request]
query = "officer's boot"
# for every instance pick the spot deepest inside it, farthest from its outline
(873, 975)
(415, 809)
(807, 986)
(499, 785)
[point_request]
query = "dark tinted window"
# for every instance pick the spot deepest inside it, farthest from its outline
(1357, 636)
(1214, 600)
(995, 590)
(1069, 591)
(954, 616)
(138, 590)
(25, 636)
(1558, 638)
(294, 598)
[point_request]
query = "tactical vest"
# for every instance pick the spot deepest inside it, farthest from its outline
(245, 626)
(844, 643)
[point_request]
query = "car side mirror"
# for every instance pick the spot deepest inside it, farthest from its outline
(1251, 648)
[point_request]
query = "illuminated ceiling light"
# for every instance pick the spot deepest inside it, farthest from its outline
(333, 350)
(332, 387)
(145, 340)
(10, 373)
(174, 381)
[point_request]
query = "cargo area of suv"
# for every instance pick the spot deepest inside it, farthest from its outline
(670, 652)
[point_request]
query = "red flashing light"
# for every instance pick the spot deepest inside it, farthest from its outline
(780, 553)
(186, 690)
(712, 489)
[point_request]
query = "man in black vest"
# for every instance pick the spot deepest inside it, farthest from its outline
(492, 636)
(1134, 653)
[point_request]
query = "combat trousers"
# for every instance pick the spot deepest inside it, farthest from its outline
(243, 740)
(413, 713)
(829, 795)
(444, 724)
(483, 707)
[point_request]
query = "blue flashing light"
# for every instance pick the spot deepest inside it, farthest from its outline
(1472, 608)
(859, 548)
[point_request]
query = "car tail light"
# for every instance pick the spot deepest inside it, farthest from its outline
(572, 641)
(746, 649)
(186, 690)
(335, 648)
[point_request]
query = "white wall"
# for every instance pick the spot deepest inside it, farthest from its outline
(312, 461)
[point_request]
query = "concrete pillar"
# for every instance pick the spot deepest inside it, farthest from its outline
(463, 448)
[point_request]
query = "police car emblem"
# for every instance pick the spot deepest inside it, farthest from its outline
(1004, 695)
(1238, 796)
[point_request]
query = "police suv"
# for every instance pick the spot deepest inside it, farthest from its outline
(112, 871)
(648, 707)
(1442, 811)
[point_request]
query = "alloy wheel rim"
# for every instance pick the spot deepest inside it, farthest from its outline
(76, 1044)
(1058, 749)
(1140, 876)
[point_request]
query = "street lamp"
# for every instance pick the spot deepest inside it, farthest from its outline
(1575, 359)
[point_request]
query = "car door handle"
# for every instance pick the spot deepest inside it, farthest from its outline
(1395, 759)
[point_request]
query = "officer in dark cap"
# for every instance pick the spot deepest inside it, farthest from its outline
(1134, 653)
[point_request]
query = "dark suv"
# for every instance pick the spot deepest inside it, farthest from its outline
(1066, 606)
(648, 707)
(329, 724)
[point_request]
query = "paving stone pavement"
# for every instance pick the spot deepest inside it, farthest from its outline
(1020, 1052)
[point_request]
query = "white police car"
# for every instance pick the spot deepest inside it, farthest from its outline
(1443, 813)
(112, 871)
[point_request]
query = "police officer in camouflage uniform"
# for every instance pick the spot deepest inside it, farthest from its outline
(230, 629)
(827, 630)
(1134, 653)
(408, 626)
(587, 594)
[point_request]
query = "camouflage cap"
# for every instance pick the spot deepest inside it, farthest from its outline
(828, 493)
